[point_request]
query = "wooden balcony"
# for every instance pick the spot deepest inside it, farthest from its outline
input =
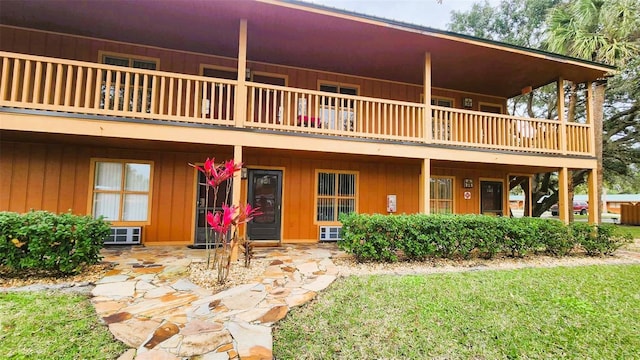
(49, 84)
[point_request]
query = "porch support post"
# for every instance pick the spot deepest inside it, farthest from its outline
(240, 114)
(563, 195)
(592, 134)
(235, 196)
(561, 118)
(592, 190)
(428, 118)
(425, 187)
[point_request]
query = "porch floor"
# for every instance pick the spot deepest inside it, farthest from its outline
(150, 305)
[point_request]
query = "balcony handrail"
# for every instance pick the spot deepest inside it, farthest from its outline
(55, 84)
(45, 59)
(334, 95)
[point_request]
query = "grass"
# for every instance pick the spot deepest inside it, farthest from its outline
(43, 325)
(586, 312)
(633, 230)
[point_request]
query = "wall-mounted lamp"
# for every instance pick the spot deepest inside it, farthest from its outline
(247, 74)
(467, 183)
(243, 173)
(467, 102)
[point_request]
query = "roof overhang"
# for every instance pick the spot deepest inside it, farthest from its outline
(304, 35)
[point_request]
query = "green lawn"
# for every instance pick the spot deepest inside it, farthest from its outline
(586, 312)
(53, 326)
(634, 230)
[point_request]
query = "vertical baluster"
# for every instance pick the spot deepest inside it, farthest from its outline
(4, 83)
(26, 83)
(161, 102)
(228, 107)
(287, 113)
(67, 85)
(78, 86)
(196, 98)
(57, 94)
(187, 100)
(206, 107)
(98, 89)
(145, 91)
(37, 82)
(87, 88)
(116, 91)
(179, 95)
(127, 105)
(154, 87)
(107, 91)
(16, 79)
(170, 98)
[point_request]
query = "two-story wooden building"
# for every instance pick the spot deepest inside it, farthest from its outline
(103, 105)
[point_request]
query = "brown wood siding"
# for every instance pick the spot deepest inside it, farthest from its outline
(55, 177)
(375, 181)
(85, 49)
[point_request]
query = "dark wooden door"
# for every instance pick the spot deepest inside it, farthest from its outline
(265, 192)
(491, 200)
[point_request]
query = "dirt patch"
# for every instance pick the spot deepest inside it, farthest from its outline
(19, 278)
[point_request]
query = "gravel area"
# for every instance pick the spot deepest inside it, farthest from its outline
(15, 279)
(238, 274)
(348, 266)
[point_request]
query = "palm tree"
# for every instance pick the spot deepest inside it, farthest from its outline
(605, 31)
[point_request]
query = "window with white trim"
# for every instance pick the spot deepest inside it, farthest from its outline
(142, 85)
(441, 195)
(441, 102)
(335, 194)
(338, 113)
(121, 190)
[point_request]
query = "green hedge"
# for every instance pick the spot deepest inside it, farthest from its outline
(43, 240)
(384, 237)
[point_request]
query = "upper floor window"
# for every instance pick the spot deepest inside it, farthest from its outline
(121, 190)
(134, 95)
(338, 113)
(441, 102)
(132, 62)
(335, 194)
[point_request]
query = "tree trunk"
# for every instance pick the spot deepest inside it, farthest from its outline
(598, 117)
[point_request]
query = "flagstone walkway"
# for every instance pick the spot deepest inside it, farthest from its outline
(150, 305)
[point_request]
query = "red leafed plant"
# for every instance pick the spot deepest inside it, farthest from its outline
(222, 225)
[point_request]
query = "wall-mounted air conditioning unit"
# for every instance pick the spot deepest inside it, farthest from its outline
(330, 233)
(124, 235)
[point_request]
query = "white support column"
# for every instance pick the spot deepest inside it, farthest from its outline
(240, 114)
(236, 193)
(425, 187)
(563, 195)
(592, 190)
(561, 118)
(428, 118)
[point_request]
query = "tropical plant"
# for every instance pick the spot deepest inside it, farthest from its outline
(221, 232)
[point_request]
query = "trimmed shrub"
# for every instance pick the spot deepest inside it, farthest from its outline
(383, 237)
(599, 240)
(43, 240)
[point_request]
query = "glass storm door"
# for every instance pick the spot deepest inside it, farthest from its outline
(491, 200)
(265, 192)
(202, 209)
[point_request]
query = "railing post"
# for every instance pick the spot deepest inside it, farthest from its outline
(235, 195)
(563, 195)
(592, 190)
(561, 118)
(428, 118)
(425, 187)
(240, 115)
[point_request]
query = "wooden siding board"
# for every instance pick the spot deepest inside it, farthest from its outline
(52, 172)
(7, 166)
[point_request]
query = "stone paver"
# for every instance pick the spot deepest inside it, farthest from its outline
(149, 303)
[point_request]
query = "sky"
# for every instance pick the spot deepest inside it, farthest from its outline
(421, 12)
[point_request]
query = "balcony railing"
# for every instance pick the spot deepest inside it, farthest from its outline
(42, 83)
